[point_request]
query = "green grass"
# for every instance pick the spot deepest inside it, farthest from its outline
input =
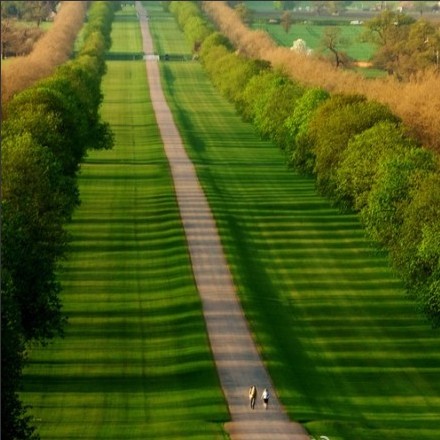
(312, 35)
(135, 362)
(350, 356)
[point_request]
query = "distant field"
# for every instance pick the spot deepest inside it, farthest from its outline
(310, 28)
(312, 35)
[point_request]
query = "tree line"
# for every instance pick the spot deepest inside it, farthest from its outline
(46, 132)
(360, 153)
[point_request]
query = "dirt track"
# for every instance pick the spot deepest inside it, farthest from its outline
(237, 359)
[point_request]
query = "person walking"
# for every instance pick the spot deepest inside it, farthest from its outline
(265, 398)
(252, 395)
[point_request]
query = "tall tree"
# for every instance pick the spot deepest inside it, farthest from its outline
(389, 31)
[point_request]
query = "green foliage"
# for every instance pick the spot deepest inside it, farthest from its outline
(183, 11)
(417, 256)
(196, 30)
(334, 123)
(16, 424)
(298, 150)
(361, 159)
(213, 40)
(33, 238)
(52, 120)
(99, 20)
(402, 214)
(250, 95)
(274, 103)
(390, 195)
(230, 72)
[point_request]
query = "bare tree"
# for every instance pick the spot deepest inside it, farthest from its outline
(333, 42)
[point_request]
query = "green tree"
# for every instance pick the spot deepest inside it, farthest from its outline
(389, 197)
(16, 423)
(334, 123)
(273, 104)
(196, 31)
(402, 215)
(361, 160)
(54, 120)
(417, 255)
(183, 11)
(34, 210)
(298, 149)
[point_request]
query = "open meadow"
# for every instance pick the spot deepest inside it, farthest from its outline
(349, 355)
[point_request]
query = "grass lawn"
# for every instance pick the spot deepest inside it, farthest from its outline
(349, 355)
(312, 35)
(135, 362)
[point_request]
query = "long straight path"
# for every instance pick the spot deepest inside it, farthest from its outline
(237, 359)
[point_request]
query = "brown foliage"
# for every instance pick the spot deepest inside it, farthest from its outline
(416, 102)
(53, 49)
(18, 40)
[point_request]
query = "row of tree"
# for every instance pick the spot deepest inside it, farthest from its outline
(46, 132)
(359, 152)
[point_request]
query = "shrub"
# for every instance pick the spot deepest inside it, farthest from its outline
(299, 153)
(334, 123)
(361, 159)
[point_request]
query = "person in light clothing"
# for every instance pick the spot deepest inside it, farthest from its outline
(252, 395)
(265, 398)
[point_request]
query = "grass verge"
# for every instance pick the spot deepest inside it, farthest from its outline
(135, 362)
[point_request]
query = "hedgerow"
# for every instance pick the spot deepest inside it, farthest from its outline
(359, 151)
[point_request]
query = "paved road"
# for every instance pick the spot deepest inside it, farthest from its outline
(237, 359)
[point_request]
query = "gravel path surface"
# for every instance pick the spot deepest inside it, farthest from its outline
(237, 359)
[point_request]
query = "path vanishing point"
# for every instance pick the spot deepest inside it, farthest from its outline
(238, 362)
